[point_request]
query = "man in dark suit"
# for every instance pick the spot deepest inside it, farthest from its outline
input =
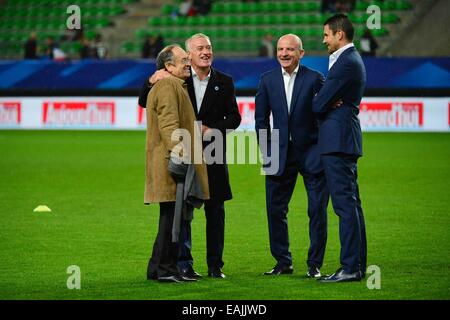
(287, 94)
(340, 143)
(213, 98)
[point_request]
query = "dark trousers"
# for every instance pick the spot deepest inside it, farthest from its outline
(279, 190)
(163, 261)
(341, 173)
(215, 231)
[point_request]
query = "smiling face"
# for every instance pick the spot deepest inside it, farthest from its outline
(180, 66)
(200, 52)
(289, 52)
(332, 41)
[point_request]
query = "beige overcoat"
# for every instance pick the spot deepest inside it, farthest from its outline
(169, 108)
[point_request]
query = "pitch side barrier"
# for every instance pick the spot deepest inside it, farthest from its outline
(377, 114)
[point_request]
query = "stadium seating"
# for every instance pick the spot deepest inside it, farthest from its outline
(239, 26)
(18, 18)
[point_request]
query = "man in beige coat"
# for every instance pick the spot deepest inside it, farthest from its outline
(172, 134)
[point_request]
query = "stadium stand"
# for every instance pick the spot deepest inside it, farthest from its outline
(18, 18)
(237, 27)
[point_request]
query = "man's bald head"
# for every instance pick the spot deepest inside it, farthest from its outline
(294, 38)
(289, 52)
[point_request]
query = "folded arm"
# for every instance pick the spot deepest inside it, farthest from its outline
(332, 91)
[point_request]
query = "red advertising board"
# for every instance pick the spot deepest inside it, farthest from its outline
(247, 111)
(142, 118)
(391, 114)
(76, 113)
(10, 113)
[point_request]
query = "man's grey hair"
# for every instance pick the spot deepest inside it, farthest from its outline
(194, 36)
(165, 56)
(297, 39)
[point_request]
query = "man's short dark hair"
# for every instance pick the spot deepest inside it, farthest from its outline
(166, 55)
(341, 22)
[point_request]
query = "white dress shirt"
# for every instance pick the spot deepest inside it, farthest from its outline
(289, 80)
(335, 55)
(199, 87)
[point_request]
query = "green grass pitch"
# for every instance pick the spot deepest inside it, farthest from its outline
(94, 181)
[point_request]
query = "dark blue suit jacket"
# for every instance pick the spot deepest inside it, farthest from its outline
(339, 128)
(301, 123)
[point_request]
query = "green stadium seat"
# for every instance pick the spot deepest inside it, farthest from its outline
(359, 18)
(231, 7)
(299, 19)
(232, 33)
(298, 7)
(213, 34)
(287, 19)
(361, 6)
(230, 46)
(180, 21)
(231, 20)
(221, 33)
(389, 18)
(192, 21)
(167, 9)
(179, 33)
(117, 10)
(255, 7)
(123, 2)
(128, 47)
(312, 19)
(168, 21)
(252, 20)
(217, 7)
(202, 20)
(404, 5)
(285, 7)
(218, 46)
(252, 33)
(312, 6)
(389, 5)
(217, 20)
(375, 2)
(274, 19)
(268, 7)
(275, 32)
(261, 32)
(359, 30)
(379, 32)
(90, 35)
(154, 21)
(243, 7)
(140, 34)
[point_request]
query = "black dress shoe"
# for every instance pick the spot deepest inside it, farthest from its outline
(341, 276)
(174, 278)
(152, 276)
(313, 272)
(190, 273)
(277, 270)
(216, 273)
(183, 277)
